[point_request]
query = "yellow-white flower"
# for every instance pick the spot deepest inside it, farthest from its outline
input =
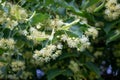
(47, 53)
(92, 32)
(17, 65)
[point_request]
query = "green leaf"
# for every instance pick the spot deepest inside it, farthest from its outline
(73, 6)
(69, 33)
(70, 6)
(39, 17)
(1, 34)
(84, 4)
(87, 53)
(68, 72)
(61, 11)
(19, 73)
(47, 2)
(92, 2)
(54, 73)
(113, 36)
(76, 30)
(100, 7)
(67, 55)
(41, 39)
(93, 68)
(51, 74)
(88, 16)
(22, 2)
(1, 51)
(108, 27)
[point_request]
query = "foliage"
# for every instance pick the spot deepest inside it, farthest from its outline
(59, 39)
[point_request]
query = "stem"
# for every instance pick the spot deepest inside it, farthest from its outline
(68, 25)
(31, 16)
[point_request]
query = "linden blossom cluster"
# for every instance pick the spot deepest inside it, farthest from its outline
(47, 53)
(7, 43)
(3, 17)
(112, 10)
(16, 15)
(74, 66)
(17, 65)
(24, 76)
(91, 32)
(36, 35)
(79, 43)
(9, 23)
(54, 23)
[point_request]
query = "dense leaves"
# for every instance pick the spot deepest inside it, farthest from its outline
(59, 39)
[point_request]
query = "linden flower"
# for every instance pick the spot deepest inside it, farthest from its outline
(59, 46)
(17, 65)
(56, 22)
(107, 11)
(64, 38)
(99, 24)
(38, 26)
(97, 53)
(3, 17)
(92, 32)
(74, 66)
(115, 15)
(47, 53)
(11, 23)
(84, 42)
(57, 53)
(36, 35)
(18, 12)
(73, 42)
(91, 9)
(117, 7)
(25, 75)
(83, 39)
(112, 1)
(112, 11)
(7, 43)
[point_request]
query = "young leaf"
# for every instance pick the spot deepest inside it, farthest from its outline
(39, 17)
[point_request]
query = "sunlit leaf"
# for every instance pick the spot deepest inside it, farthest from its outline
(39, 17)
